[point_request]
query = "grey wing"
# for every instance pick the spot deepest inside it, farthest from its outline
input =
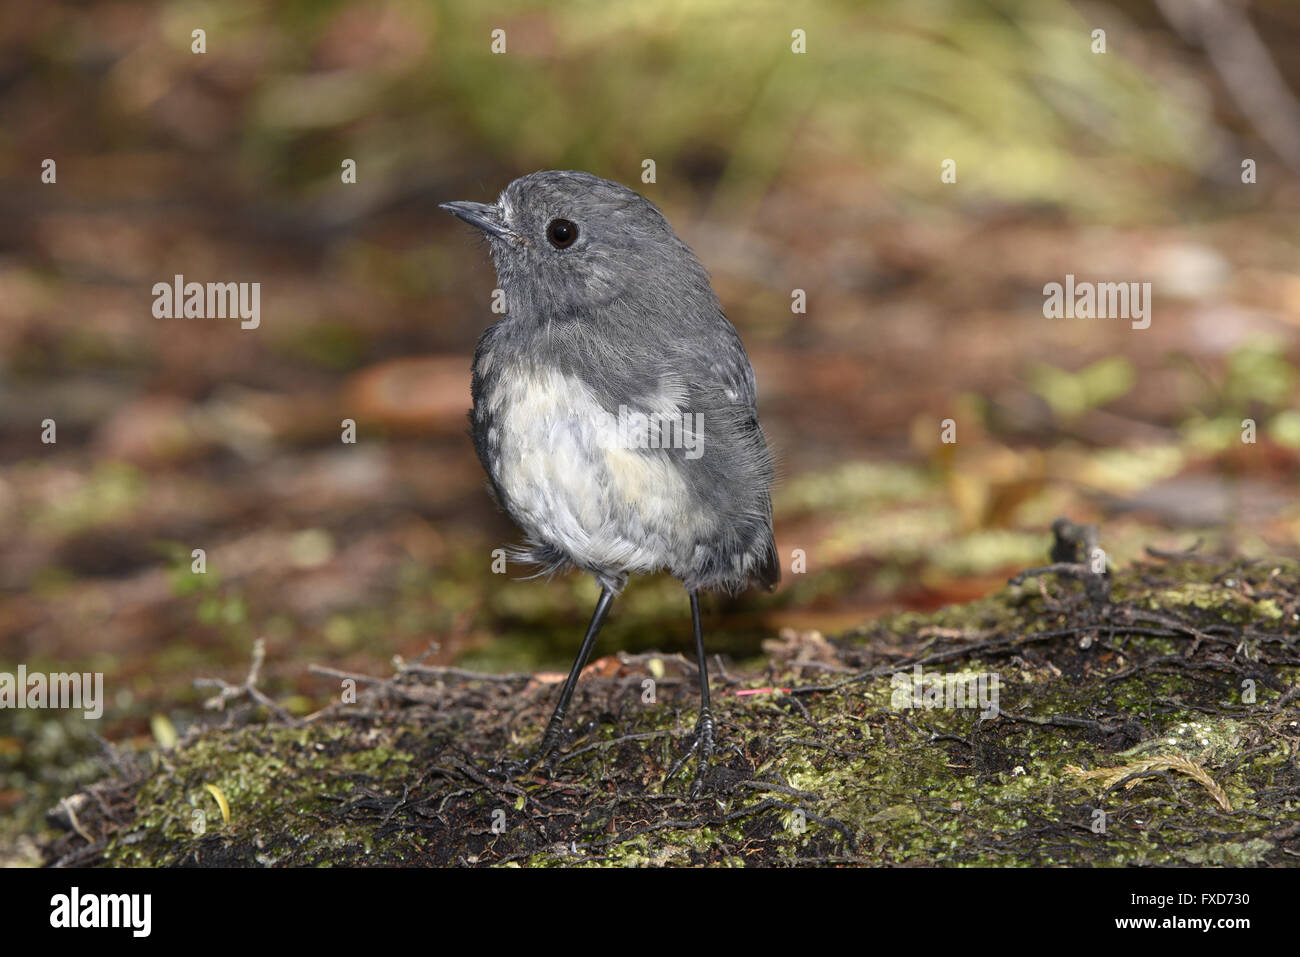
(702, 370)
(732, 372)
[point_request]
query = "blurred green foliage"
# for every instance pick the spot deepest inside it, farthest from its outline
(1257, 381)
(1257, 371)
(107, 494)
(1009, 89)
(1071, 394)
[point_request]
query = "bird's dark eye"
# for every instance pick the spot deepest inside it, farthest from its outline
(561, 233)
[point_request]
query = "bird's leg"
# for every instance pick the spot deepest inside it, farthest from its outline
(555, 727)
(703, 743)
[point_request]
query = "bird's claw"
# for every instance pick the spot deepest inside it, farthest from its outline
(703, 746)
(542, 759)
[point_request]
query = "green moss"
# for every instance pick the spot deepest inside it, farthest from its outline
(847, 774)
(1237, 854)
(278, 784)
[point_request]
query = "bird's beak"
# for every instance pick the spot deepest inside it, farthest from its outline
(487, 217)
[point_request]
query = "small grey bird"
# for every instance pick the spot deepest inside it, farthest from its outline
(615, 408)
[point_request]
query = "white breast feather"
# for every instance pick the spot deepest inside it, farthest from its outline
(569, 482)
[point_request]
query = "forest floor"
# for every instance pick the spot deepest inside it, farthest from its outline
(1147, 716)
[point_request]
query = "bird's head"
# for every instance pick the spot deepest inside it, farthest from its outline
(571, 245)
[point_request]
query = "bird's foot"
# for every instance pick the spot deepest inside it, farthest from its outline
(543, 758)
(702, 746)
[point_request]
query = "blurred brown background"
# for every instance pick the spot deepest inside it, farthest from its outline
(817, 171)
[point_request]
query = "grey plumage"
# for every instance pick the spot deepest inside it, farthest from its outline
(626, 315)
(615, 408)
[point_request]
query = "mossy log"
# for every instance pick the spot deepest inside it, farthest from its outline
(1152, 721)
